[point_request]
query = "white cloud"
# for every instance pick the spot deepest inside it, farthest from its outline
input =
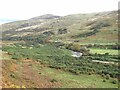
(24, 9)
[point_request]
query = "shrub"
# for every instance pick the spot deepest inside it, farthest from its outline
(90, 73)
(74, 47)
(107, 76)
(114, 81)
(62, 31)
(12, 75)
(104, 80)
(48, 33)
(84, 50)
(103, 75)
(106, 54)
(53, 80)
(40, 73)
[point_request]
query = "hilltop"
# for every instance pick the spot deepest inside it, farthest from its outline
(46, 16)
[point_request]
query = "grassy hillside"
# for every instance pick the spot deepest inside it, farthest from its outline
(32, 74)
(49, 51)
(79, 27)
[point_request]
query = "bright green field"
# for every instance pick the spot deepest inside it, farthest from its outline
(103, 51)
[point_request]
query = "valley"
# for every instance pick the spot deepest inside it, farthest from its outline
(73, 51)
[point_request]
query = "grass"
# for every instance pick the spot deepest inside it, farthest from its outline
(37, 53)
(70, 80)
(60, 58)
(66, 79)
(103, 51)
(4, 56)
(104, 36)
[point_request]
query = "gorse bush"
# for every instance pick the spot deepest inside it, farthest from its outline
(53, 80)
(61, 59)
(114, 81)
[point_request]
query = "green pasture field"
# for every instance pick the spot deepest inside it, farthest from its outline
(103, 51)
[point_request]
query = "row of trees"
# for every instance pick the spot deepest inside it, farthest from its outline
(86, 34)
(100, 25)
(113, 46)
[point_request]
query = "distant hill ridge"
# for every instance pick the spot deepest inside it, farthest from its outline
(93, 27)
(46, 16)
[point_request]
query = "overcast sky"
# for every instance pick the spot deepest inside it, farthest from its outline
(25, 9)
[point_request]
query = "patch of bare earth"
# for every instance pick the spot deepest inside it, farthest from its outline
(23, 73)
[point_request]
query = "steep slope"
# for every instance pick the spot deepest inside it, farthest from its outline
(33, 74)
